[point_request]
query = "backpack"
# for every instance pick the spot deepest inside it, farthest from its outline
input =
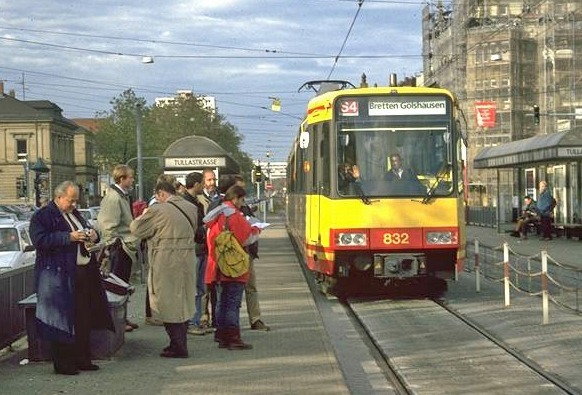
(231, 258)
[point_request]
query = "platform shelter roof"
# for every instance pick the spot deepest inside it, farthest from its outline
(201, 152)
(552, 147)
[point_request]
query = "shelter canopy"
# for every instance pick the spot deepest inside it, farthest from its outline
(561, 146)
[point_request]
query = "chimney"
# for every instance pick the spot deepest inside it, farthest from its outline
(393, 80)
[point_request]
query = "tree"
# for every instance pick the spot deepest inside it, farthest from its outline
(161, 126)
(117, 131)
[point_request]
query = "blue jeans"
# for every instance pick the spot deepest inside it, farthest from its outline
(228, 304)
(201, 295)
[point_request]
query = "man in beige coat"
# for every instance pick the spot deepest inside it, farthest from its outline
(114, 218)
(168, 228)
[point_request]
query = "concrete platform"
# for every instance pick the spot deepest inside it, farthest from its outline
(295, 357)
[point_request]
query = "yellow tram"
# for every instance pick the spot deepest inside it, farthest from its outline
(362, 220)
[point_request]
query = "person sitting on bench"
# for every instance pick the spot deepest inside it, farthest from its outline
(529, 215)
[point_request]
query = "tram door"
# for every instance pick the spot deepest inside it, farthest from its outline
(313, 236)
(559, 193)
(321, 178)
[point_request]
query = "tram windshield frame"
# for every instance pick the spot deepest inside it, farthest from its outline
(367, 147)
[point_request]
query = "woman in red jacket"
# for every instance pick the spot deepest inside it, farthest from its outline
(229, 289)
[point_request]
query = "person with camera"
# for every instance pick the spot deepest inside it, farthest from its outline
(71, 300)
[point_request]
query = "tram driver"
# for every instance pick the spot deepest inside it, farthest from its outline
(403, 180)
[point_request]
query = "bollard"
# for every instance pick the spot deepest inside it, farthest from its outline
(506, 272)
(477, 268)
(545, 304)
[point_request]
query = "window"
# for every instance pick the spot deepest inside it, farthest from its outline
(21, 187)
(21, 150)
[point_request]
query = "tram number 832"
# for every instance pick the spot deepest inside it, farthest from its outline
(396, 238)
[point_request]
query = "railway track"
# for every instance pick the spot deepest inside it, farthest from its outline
(424, 347)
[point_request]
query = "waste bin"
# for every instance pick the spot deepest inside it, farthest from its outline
(104, 343)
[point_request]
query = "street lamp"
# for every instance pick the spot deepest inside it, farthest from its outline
(139, 153)
(39, 168)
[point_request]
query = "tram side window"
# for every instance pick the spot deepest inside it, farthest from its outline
(324, 159)
(346, 162)
(304, 162)
(291, 173)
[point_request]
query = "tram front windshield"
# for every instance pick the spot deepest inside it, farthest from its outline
(408, 160)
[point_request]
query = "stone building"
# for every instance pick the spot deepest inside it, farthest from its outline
(501, 58)
(34, 133)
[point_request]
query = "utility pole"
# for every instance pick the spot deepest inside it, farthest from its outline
(139, 153)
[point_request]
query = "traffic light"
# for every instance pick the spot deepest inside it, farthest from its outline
(258, 173)
(536, 114)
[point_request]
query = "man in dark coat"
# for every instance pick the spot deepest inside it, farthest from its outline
(70, 298)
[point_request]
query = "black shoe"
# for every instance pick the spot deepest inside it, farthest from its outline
(88, 367)
(133, 325)
(173, 354)
(68, 372)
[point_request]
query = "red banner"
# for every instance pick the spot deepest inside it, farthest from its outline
(485, 113)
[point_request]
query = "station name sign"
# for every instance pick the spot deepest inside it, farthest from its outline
(407, 107)
(195, 162)
(569, 152)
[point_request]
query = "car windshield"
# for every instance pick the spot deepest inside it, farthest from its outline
(9, 240)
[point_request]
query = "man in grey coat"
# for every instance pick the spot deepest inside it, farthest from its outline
(168, 227)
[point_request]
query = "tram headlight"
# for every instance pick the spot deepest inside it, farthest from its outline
(345, 239)
(444, 237)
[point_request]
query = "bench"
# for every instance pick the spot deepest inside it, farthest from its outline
(569, 230)
(104, 343)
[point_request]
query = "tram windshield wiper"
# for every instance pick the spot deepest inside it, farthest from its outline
(361, 193)
(439, 177)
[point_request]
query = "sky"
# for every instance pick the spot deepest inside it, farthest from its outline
(245, 53)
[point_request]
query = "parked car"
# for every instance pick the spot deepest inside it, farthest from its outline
(22, 212)
(16, 247)
(90, 214)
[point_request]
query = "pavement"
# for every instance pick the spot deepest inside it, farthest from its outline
(555, 346)
(296, 356)
(560, 249)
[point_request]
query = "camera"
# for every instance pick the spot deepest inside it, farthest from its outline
(87, 232)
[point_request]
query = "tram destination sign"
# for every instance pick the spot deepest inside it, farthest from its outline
(195, 162)
(414, 106)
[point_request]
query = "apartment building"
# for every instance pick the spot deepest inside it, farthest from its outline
(208, 103)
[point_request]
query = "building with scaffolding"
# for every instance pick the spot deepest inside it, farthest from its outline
(503, 58)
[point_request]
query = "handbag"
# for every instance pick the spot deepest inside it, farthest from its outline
(115, 285)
